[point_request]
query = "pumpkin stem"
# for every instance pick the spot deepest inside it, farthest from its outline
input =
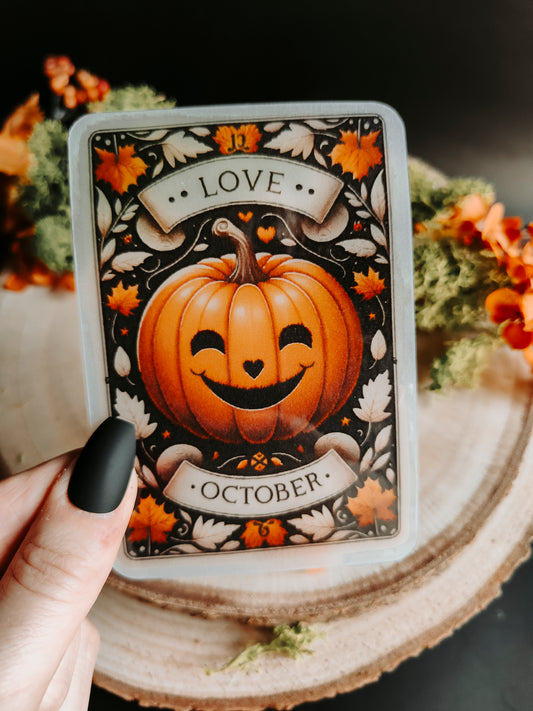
(247, 270)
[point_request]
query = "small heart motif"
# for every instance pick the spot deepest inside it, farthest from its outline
(246, 217)
(253, 367)
(267, 234)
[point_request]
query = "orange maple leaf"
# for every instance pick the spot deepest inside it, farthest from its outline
(123, 300)
(368, 285)
(150, 520)
(121, 170)
(372, 503)
(356, 154)
(270, 532)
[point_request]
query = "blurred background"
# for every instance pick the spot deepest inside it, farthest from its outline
(460, 75)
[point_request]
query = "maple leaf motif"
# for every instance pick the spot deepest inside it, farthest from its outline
(355, 154)
(375, 399)
(369, 285)
(372, 503)
(231, 139)
(121, 170)
(123, 300)
(270, 532)
(150, 520)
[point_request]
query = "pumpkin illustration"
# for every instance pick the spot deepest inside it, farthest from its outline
(247, 348)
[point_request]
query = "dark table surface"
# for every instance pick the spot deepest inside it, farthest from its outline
(459, 74)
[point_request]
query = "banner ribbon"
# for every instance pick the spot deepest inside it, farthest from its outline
(260, 496)
(234, 180)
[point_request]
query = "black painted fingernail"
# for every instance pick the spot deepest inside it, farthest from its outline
(103, 470)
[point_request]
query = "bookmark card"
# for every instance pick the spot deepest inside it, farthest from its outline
(245, 285)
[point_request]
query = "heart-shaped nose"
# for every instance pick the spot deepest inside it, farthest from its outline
(253, 367)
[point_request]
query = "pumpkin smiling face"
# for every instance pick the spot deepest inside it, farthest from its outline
(246, 349)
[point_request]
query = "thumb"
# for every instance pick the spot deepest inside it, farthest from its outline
(60, 567)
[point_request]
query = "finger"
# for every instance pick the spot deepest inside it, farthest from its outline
(70, 687)
(59, 685)
(22, 496)
(80, 687)
(63, 562)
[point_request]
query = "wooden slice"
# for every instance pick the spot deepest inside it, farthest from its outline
(158, 639)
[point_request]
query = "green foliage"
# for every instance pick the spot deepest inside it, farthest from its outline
(53, 242)
(464, 362)
(289, 640)
(47, 193)
(452, 282)
(132, 98)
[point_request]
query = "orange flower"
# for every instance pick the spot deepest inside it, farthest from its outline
(503, 304)
(231, 139)
(356, 154)
(121, 170)
(270, 532)
(370, 285)
(514, 310)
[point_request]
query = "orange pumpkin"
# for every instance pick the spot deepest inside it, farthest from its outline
(246, 348)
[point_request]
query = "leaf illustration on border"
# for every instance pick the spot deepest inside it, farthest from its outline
(391, 475)
(179, 146)
(155, 135)
(104, 215)
(130, 213)
(158, 168)
(317, 524)
(366, 461)
(121, 362)
(377, 197)
(375, 399)
(381, 462)
(200, 131)
(363, 214)
(298, 139)
(317, 124)
(352, 199)
(383, 438)
(184, 548)
(274, 126)
(120, 227)
(378, 235)
(108, 275)
(320, 158)
(132, 409)
(359, 247)
(108, 251)
(378, 347)
(118, 206)
(127, 261)
(185, 516)
(230, 546)
(297, 538)
(364, 190)
(148, 477)
(211, 533)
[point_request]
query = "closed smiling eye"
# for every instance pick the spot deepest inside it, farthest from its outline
(207, 339)
(295, 333)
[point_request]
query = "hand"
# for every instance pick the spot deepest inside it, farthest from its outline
(55, 555)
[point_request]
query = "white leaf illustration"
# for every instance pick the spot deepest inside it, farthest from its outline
(120, 227)
(132, 409)
(298, 539)
(108, 251)
(130, 212)
(364, 191)
(158, 168)
(381, 259)
(341, 535)
(330, 228)
(230, 546)
(148, 477)
(108, 275)
(122, 363)
(156, 135)
(391, 475)
(353, 199)
(359, 247)
(118, 206)
(179, 146)
(377, 197)
(200, 131)
(274, 126)
(104, 216)
(378, 235)
(129, 260)
(366, 461)
(288, 242)
(209, 534)
(184, 548)
(318, 524)
(201, 247)
(317, 124)
(363, 214)
(298, 139)
(378, 347)
(185, 516)
(381, 462)
(383, 438)
(375, 399)
(320, 159)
